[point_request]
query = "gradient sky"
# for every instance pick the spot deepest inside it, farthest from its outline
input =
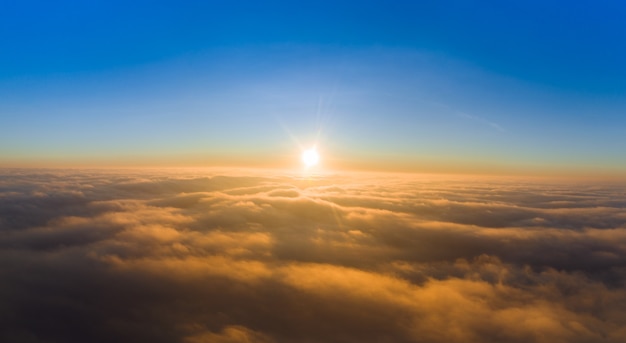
(451, 86)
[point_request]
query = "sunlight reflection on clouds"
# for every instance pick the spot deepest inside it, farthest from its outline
(166, 257)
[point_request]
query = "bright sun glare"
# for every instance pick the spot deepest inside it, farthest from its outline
(310, 157)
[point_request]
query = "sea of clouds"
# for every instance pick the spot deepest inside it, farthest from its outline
(243, 256)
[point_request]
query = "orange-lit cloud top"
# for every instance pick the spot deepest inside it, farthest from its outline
(91, 256)
(290, 160)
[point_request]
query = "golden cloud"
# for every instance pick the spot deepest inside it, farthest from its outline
(175, 257)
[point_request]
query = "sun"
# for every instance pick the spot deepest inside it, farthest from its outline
(310, 157)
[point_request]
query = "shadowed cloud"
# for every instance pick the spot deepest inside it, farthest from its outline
(88, 256)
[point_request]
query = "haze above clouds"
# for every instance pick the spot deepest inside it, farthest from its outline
(146, 256)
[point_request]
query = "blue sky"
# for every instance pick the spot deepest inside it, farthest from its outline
(426, 86)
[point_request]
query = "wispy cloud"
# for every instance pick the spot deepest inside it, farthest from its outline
(462, 114)
(481, 120)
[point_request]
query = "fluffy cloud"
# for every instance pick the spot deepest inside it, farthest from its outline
(90, 256)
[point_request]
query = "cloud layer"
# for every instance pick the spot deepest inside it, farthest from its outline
(90, 256)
